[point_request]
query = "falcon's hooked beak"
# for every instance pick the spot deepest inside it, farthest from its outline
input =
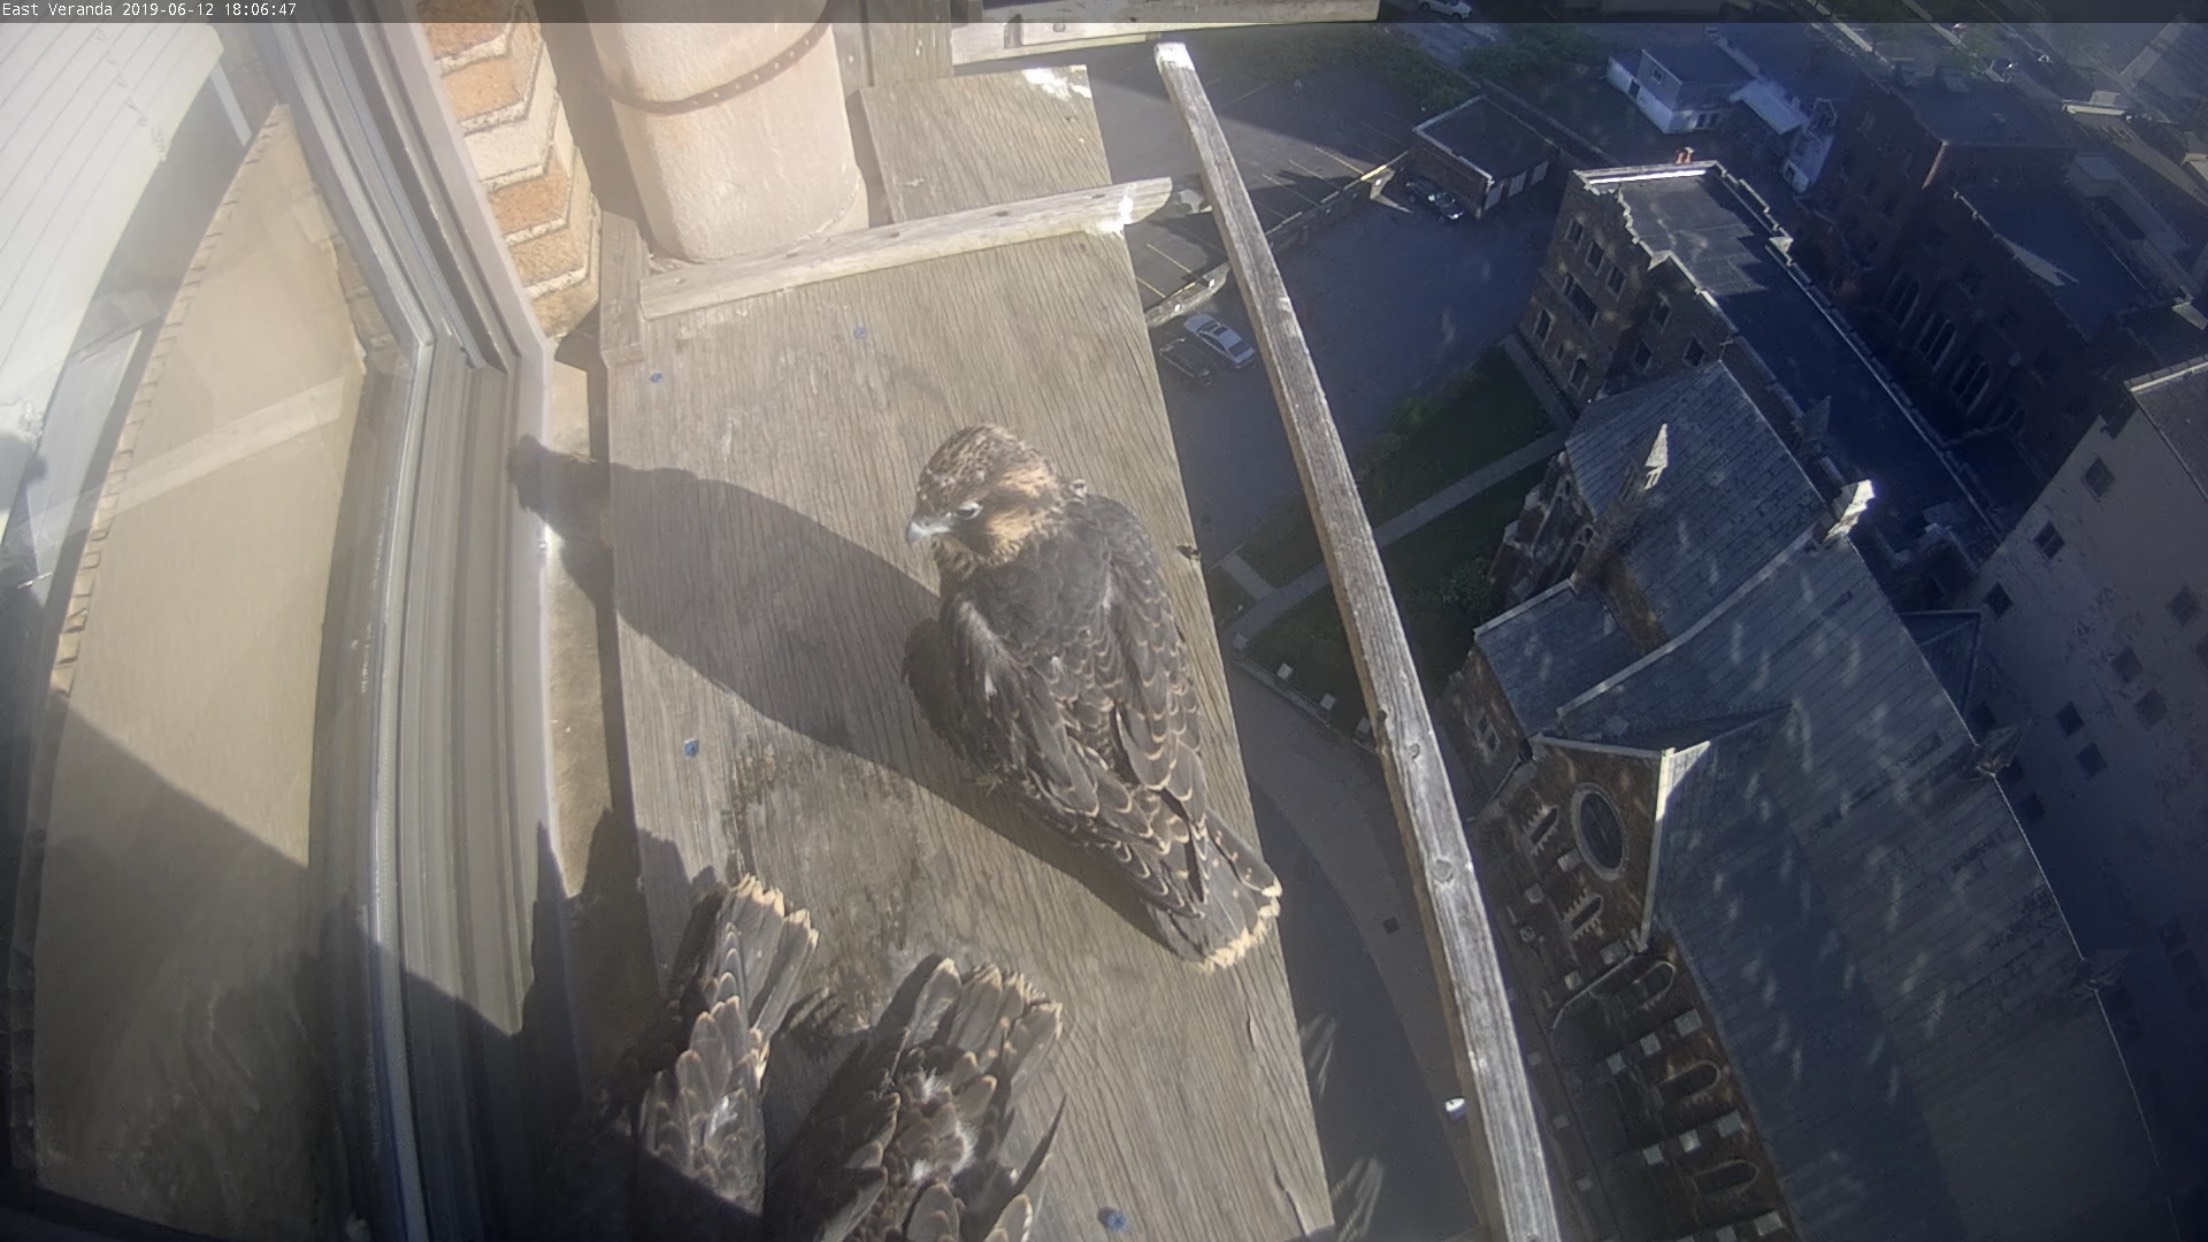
(922, 529)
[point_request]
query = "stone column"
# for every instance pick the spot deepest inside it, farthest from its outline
(768, 165)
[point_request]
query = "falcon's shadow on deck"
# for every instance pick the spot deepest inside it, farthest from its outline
(809, 632)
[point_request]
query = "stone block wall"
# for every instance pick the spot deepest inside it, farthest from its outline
(498, 78)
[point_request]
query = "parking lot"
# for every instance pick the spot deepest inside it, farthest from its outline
(1294, 146)
(1392, 300)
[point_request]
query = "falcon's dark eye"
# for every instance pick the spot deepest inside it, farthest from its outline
(970, 510)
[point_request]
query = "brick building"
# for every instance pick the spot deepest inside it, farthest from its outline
(1484, 155)
(1659, 269)
(1799, 968)
(1901, 147)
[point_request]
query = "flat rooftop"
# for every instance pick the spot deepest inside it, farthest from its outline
(2052, 241)
(1488, 138)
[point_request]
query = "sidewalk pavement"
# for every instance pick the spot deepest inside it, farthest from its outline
(1269, 607)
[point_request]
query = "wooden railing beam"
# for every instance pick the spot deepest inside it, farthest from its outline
(1512, 1194)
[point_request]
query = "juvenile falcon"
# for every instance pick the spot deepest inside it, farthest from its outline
(1056, 668)
(908, 1141)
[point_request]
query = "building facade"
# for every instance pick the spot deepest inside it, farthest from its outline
(1656, 270)
(1682, 88)
(1762, 888)
(2097, 652)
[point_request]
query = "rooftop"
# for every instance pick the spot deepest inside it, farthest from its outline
(1720, 236)
(1798, 57)
(2135, 146)
(1698, 64)
(1873, 904)
(1984, 114)
(2175, 400)
(2052, 240)
(1488, 138)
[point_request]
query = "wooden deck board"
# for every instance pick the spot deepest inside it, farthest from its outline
(764, 590)
(954, 143)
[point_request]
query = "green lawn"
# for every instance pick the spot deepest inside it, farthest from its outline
(1481, 415)
(1439, 576)
(1228, 599)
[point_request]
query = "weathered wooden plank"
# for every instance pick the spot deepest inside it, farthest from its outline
(1006, 31)
(984, 140)
(908, 40)
(622, 262)
(1514, 1188)
(764, 592)
(1108, 210)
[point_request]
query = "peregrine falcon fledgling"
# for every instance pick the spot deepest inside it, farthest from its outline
(907, 1140)
(1057, 669)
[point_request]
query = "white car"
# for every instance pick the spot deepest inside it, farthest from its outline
(1459, 9)
(1220, 339)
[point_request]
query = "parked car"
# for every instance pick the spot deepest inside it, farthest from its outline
(1184, 358)
(1459, 9)
(1220, 339)
(1428, 194)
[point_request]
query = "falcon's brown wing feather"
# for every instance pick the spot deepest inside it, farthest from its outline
(909, 1138)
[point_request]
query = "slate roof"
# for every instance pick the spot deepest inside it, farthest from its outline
(2056, 246)
(1719, 241)
(1878, 948)
(2176, 400)
(1724, 458)
(1949, 643)
(1548, 649)
(1873, 937)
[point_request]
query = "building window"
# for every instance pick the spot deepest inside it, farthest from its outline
(2099, 478)
(1579, 370)
(1585, 915)
(2069, 719)
(2014, 773)
(1541, 325)
(1652, 984)
(1582, 305)
(1938, 334)
(1575, 232)
(1601, 833)
(2090, 761)
(1982, 719)
(2151, 708)
(1695, 353)
(1660, 314)
(1688, 1083)
(1970, 379)
(2005, 322)
(1616, 281)
(2126, 664)
(1998, 602)
(2031, 810)
(1729, 1176)
(2183, 606)
(1972, 277)
(1594, 256)
(1901, 297)
(2048, 540)
(1641, 356)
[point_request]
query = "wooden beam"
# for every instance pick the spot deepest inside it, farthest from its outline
(1106, 210)
(908, 40)
(1051, 25)
(1512, 1191)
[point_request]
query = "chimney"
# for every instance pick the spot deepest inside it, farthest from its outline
(1846, 511)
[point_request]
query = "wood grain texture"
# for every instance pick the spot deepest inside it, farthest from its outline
(1513, 1190)
(1107, 210)
(908, 40)
(983, 140)
(764, 592)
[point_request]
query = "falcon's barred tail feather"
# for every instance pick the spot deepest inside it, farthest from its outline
(1240, 899)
